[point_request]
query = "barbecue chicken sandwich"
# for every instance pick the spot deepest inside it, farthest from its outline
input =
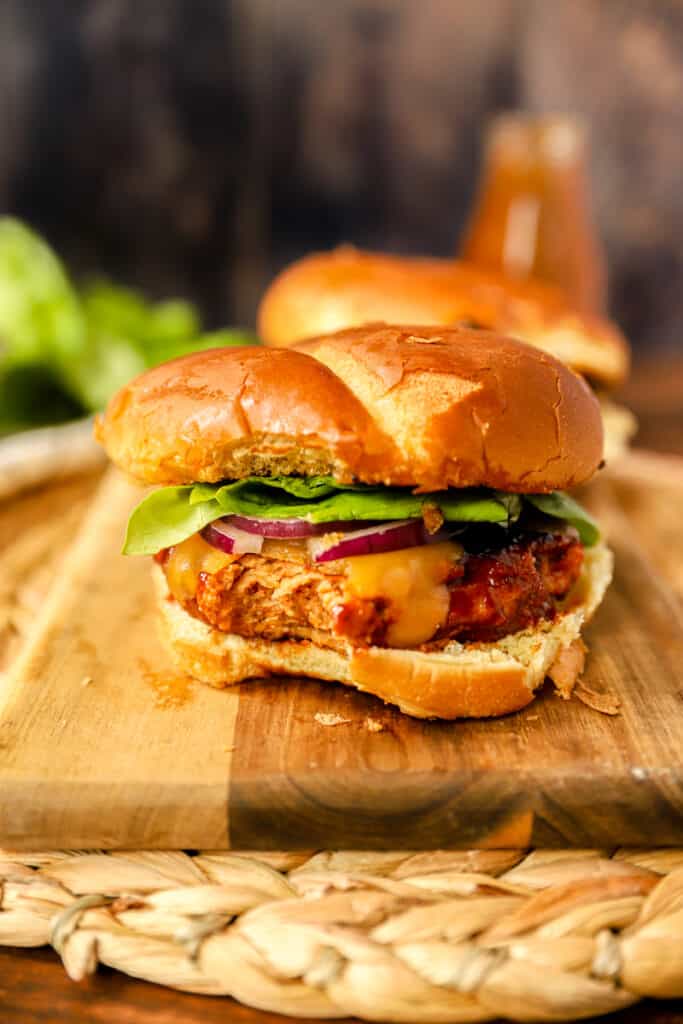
(383, 506)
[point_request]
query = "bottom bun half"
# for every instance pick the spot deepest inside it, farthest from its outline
(459, 681)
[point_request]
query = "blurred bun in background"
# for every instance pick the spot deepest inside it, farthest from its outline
(347, 287)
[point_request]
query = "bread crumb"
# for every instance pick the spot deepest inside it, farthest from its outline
(229, 750)
(532, 718)
(86, 680)
(567, 667)
(605, 703)
(330, 718)
(372, 725)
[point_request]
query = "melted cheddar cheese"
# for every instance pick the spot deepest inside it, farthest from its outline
(187, 560)
(413, 579)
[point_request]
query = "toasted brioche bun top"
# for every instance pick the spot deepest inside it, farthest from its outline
(423, 407)
(346, 287)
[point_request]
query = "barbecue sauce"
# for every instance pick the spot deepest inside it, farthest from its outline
(532, 217)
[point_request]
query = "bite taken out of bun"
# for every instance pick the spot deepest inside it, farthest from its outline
(425, 407)
(345, 287)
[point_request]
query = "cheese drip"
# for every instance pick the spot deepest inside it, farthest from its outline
(187, 560)
(413, 580)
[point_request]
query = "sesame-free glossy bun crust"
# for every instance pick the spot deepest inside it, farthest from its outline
(327, 291)
(425, 407)
(232, 412)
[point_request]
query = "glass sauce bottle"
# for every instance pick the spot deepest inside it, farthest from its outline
(532, 215)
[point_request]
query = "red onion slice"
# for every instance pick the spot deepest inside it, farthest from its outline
(229, 535)
(283, 529)
(226, 537)
(407, 533)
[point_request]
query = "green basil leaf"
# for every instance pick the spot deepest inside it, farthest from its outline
(174, 513)
(166, 517)
(561, 506)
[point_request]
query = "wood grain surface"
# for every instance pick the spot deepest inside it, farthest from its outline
(104, 745)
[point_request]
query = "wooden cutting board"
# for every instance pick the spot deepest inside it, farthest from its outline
(103, 744)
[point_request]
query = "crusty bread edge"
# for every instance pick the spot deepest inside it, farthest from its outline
(461, 681)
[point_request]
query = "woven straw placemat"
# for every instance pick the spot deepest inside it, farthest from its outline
(461, 936)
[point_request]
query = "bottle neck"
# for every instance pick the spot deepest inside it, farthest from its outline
(532, 215)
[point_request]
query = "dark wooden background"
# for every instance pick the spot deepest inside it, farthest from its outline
(195, 146)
